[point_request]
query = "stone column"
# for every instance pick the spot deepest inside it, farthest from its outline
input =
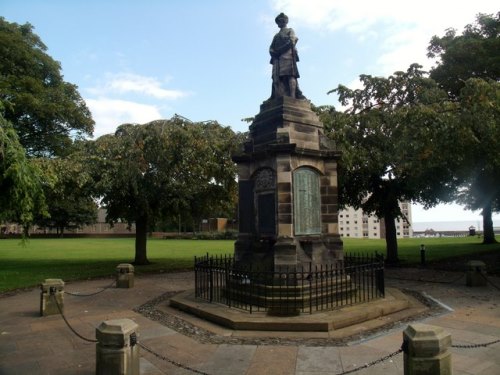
(426, 350)
(475, 273)
(117, 351)
(124, 275)
(52, 294)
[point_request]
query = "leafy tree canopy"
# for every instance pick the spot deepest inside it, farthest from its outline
(70, 197)
(468, 68)
(399, 144)
(47, 112)
(480, 172)
(21, 183)
(473, 54)
(154, 171)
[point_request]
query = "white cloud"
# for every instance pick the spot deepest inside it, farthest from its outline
(108, 114)
(125, 83)
(403, 29)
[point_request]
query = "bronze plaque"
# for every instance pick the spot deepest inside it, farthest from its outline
(306, 202)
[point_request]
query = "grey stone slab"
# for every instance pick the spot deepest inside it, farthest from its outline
(230, 360)
(155, 331)
(21, 368)
(318, 359)
(7, 347)
(147, 368)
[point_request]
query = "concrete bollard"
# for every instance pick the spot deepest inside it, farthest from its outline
(125, 275)
(426, 350)
(117, 351)
(475, 273)
(52, 294)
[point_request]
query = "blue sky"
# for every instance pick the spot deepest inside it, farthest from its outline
(137, 61)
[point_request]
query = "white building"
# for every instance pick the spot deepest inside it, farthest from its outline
(357, 224)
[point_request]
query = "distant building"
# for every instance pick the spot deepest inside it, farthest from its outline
(102, 227)
(357, 224)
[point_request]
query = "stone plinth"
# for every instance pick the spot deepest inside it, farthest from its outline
(476, 274)
(426, 350)
(52, 295)
(287, 190)
(125, 275)
(117, 351)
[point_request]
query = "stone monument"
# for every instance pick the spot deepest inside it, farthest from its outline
(288, 212)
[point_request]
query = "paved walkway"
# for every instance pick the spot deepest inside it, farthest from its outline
(30, 344)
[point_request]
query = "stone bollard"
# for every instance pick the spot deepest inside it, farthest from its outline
(117, 351)
(426, 350)
(52, 294)
(124, 275)
(475, 273)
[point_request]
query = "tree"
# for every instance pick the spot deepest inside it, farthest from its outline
(70, 196)
(21, 182)
(398, 144)
(46, 112)
(480, 117)
(161, 169)
(468, 68)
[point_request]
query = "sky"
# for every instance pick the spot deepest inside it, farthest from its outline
(138, 61)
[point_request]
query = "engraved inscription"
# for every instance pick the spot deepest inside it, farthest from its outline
(306, 202)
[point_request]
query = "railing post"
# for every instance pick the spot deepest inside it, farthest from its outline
(379, 279)
(426, 351)
(228, 282)
(210, 280)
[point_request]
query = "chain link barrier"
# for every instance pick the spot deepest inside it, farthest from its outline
(185, 367)
(67, 323)
(77, 294)
(489, 281)
(177, 364)
(474, 346)
(373, 363)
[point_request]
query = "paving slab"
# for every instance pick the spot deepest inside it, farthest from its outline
(35, 345)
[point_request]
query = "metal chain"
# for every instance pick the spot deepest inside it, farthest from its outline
(76, 294)
(373, 363)
(67, 323)
(472, 346)
(489, 281)
(177, 364)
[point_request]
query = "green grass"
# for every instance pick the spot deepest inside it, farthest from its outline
(28, 265)
(75, 259)
(435, 248)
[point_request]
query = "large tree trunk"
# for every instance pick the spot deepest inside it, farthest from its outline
(391, 239)
(488, 233)
(141, 236)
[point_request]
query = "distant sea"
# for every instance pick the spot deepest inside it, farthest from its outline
(450, 225)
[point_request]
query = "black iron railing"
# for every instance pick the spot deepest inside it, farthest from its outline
(354, 280)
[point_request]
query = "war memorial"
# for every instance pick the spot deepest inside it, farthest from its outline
(288, 259)
(289, 301)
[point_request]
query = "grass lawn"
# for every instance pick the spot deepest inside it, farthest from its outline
(28, 265)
